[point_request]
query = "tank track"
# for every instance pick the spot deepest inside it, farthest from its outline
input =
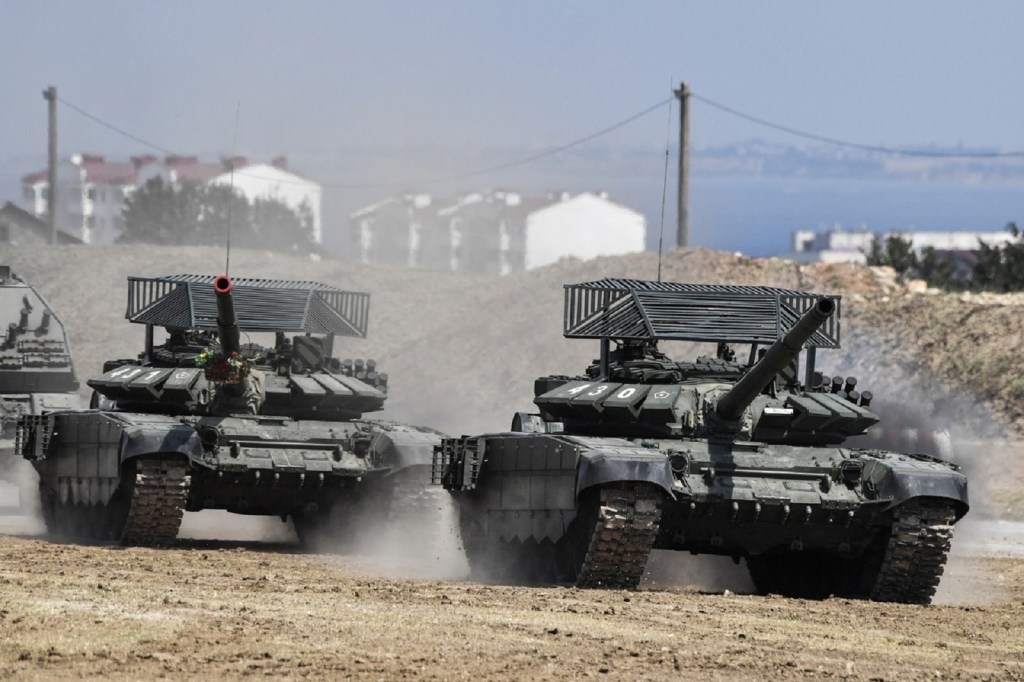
(622, 538)
(606, 546)
(157, 502)
(146, 509)
(915, 554)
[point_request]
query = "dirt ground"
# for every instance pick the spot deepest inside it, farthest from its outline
(230, 609)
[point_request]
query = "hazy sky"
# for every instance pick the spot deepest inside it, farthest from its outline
(317, 76)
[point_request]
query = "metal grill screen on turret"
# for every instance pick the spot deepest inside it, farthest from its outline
(644, 310)
(262, 305)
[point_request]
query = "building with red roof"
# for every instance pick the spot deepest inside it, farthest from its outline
(90, 196)
(91, 191)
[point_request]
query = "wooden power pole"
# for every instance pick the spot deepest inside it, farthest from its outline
(682, 226)
(50, 95)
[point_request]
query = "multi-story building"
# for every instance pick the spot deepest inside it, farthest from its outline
(91, 191)
(90, 196)
(495, 232)
(584, 226)
(402, 230)
(486, 233)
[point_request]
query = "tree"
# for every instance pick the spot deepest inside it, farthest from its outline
(155, 214)
(939, 271)
(1001, 268)
(898, 253)
(222, 210)
(277, 227)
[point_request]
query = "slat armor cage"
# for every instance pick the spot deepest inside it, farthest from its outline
(630, 309)
(262, 305)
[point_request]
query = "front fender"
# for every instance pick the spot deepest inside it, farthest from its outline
(614, 460)
(172, 438)
(899, 478)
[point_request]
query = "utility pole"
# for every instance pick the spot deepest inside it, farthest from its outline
(50, 95)
(682, 227)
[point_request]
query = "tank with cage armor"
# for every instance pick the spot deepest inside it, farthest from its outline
(725, 455)
(203, 420)
(37, 373)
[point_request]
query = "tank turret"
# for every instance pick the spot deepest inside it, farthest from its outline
(715, 454)
(202, 367)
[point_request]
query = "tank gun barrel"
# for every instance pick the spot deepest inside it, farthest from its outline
(227, 322)
(730, 407)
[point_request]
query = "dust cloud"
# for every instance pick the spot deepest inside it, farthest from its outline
(703, 573)
(388, 545)
(216, 524)
(420, 541)
(921, 415)
(19, 499)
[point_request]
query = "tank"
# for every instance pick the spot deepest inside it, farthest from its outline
(203, 420)
(37, 374)
(725, 454)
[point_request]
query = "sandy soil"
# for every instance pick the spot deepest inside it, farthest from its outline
(233, 609)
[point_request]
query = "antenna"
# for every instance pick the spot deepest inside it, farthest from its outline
(231, 190)
(664, 185)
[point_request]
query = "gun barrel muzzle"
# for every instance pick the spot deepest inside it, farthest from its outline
(227, 322)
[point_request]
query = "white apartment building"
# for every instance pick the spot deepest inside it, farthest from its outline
(496, 231)
(584, 226)
(90, 196)
(91, 191)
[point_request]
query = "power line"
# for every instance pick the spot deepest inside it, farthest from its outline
(583, 140)
(853, 145)
(431, 181)
(556, 150)
(112, 127)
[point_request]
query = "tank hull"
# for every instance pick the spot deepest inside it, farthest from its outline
(132, 475)
(765, 503)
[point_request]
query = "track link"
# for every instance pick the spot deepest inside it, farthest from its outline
(622, 538)
(157, 501)
(916, 552)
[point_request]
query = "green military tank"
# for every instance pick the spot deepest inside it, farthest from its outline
(37, 373)
(724, 455)
(202, 420)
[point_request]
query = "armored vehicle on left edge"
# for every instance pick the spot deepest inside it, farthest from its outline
(721, 454)
(205, 421)
(36, 370)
